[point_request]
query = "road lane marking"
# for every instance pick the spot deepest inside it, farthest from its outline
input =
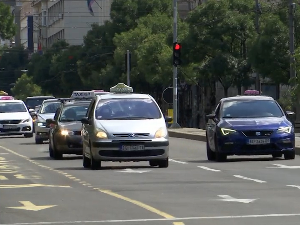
(3, 177)
(176, 161)
(8, 186)
(228, 198)
(108, 192)
(132, 171)
(27, 205)
(23, 177)
(210, 169)
(161, 219)
(296, 186)
(247, 178)
(281, 166)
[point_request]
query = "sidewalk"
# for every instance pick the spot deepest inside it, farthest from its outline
(199, 135)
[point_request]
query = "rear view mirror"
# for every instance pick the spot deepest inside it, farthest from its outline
(291, 116)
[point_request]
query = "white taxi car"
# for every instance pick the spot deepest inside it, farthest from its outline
(124, 126)
(15, 118)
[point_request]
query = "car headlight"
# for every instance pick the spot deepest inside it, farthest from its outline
(25, 121)
(40, 124)
(226, 131)
(284, 130)
(66, 132)
(101, 134)
(160, 133)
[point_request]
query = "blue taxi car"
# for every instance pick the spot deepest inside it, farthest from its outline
(249, 125)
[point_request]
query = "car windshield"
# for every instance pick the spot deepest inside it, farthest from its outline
(49, 107)
(251, 109)
(127, 109)
(12, 107)
(31, 103)
(73, 113)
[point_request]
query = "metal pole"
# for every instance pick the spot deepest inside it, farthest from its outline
(175, 91)
(257, 26)
(292, 38)
(128, 68)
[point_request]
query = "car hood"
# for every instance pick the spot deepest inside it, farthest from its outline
(44, 117)
(131, 126)
(255, 123)
(15, 116)
(72, 126)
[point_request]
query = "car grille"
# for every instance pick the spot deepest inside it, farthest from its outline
(10, 121)
(129, 135)
(257, 133)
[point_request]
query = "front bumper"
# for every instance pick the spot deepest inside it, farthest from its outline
(145, 150)
(16, 129)
(69, 144)
(237, 144)
(41, 132)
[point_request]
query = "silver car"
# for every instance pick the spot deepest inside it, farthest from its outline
(123, 126)
(47, 111)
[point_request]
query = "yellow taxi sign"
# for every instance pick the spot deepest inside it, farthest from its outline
(3, 93)
(121, 88)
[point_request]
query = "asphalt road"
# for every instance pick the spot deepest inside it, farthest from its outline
(35, 189)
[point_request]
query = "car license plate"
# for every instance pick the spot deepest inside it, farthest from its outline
(259, 141)
(132, 147)
(9, 127)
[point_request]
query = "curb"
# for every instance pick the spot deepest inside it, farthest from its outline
(197, 137)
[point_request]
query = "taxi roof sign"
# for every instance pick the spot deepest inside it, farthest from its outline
(82, 94)
(6, 98)
(121, 88)
(251, 92)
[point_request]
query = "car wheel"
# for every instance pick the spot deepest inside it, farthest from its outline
(38, 141)
(220, 157)
(163, 163)
(153, 163)
(28, 135)
(289, 155)
(211, 156)
(94, 164)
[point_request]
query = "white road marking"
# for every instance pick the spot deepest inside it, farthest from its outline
(161, 219)
(206, 168)
(247, 178)
(133, 171)
(176, 161)
(296, 186)
(281, 166)
(228, 198)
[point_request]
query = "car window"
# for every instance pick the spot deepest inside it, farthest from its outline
(127, 109)
(33, 102)
(49, 107)
(251, 109)
(12, 107)
(73, 113)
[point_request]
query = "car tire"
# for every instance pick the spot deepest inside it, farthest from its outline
(86, 161)
(163, 163)
(289, 155)
(211, 156)
(94, 164)
(153, 163)
(220, 157)
(30, 135)
(38, 141)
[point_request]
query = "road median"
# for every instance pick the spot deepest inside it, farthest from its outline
(199, 135)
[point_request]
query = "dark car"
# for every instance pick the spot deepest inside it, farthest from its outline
(249, 125)
(32, 102)
(65, 129)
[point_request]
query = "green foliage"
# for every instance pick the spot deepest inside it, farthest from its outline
(24, 87)
(7, 26)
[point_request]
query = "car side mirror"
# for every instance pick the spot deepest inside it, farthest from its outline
(50, 121)
(291, 115)
(211, 116)
(168, 119)
(85, 120)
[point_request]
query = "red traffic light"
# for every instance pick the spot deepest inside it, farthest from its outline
(177, 46)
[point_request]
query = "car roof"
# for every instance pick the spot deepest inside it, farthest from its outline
(20, 101)
(51, 100)
(77, 103)
(123, 96)
(247, 97)
(33, 97)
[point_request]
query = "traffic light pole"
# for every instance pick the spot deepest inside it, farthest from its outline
(175, 91)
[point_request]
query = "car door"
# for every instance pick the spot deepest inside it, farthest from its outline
(86, 128)
(211, 128)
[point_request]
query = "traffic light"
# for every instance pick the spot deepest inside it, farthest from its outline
(176, 54)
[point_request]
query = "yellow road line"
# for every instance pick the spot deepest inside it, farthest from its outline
(3, 177)
(108, 192)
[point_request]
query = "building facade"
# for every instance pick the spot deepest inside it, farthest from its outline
(66, 19)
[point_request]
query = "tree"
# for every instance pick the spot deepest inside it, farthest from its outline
(25, 87)
(7, 27)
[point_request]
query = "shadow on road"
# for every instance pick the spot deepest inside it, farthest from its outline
(64, 158)
(231, 160)
(108, 168)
